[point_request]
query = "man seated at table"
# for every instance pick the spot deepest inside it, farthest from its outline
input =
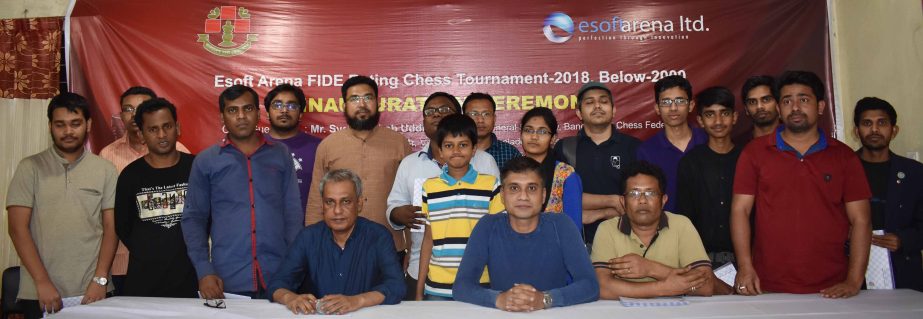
(536, 260)
(348, 260)
(649, 252)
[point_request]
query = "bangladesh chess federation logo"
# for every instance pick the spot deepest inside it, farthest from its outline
(232, 23)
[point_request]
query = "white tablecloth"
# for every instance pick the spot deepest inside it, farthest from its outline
(876, 304)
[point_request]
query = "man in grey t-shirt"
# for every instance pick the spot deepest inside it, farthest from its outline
(60, 204)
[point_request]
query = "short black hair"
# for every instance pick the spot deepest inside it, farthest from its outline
(874, 103)
(644, 168)
(474, 96)
(714, 95)
(522, 164)
(670, 82)
(356, 80)
(234, 92)
(544, 113)
(285, 87)
(137, 90)
(73, 102)
(806, 78)
(456, 125)
(452, 99)
(151, 106)
(757, 81)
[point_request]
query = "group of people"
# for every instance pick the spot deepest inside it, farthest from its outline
(358, 219)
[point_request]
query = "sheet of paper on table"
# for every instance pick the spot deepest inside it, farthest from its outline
(879, 274)
(727, 273)
(653, 302)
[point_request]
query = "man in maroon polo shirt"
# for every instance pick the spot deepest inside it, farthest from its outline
(811, 198)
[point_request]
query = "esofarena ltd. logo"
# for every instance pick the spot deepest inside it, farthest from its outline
(561, 21)
(560, 27)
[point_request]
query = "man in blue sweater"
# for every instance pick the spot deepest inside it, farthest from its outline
(536, 260)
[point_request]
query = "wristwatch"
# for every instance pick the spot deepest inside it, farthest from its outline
(547, 300)
(102, 281)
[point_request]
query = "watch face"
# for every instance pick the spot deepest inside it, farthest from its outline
(102, 281)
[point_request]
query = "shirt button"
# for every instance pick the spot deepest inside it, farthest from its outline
(642, 245)
(722, 203)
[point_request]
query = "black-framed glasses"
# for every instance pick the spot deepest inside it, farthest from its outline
(432, 111)
(279, 105)
(215, 303)
(671, 102)
(356, 99)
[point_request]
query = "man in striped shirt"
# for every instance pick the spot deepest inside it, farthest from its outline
(453, 203)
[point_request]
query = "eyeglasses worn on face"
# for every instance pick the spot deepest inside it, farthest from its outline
(129, 109)
(636, 194)
(432, 111)
(677, 101)
(279, 105)
(531, 131)
(356, 98)
(484, 114)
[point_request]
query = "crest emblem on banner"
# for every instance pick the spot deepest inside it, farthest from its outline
(228, 22)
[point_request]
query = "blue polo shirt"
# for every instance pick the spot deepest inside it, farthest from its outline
(659, 151)
(366, 263)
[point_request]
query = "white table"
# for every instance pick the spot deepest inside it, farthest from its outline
(876, 304)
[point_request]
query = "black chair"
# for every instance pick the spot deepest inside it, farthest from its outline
(8, 304)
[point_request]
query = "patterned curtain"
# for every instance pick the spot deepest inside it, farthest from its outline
(30, 57)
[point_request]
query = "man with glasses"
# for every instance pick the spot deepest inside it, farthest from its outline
(371, 151)
(649, 252)
(243, 200)
(482, 108)
(124, 151)
(673, 103)
(404, 212)
(760, 101)
(285, 105)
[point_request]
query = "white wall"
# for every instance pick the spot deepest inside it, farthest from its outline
(878, 51)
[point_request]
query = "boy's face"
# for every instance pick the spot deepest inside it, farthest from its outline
(457, 151)
(718, 120)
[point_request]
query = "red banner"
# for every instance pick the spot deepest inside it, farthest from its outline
(525, 53)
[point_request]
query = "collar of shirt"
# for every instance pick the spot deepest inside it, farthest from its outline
(612, 138)
(625, 223)
(63, 161)
(470, 177)
(698, 137)
(227, 141)
(818, 146)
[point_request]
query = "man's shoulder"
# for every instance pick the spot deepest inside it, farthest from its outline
(109, 150)
(907, 164)
(95, 162)
(677, 221)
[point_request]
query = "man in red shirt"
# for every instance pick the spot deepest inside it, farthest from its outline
(811, 197)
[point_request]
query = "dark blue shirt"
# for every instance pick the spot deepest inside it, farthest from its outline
(552, 258)
(248, 205)
(366, 263)
(659, 151)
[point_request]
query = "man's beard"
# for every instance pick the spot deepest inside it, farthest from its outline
(363, 125)
(283, 129)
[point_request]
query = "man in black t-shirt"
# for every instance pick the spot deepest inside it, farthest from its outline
(147, 219)
(897, 191)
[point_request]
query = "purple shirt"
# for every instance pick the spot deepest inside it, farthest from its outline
(659, 151)
(303, 148)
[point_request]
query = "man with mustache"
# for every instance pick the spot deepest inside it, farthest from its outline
(705, 177)
(243, 195)
(285, 104)
(760, 99)
(371, 151)
(482, 108)
(61, 219)
(598, 153)
(124, 151)
(673, 103)
(404, 200)
(897, 190)
(810, 200)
